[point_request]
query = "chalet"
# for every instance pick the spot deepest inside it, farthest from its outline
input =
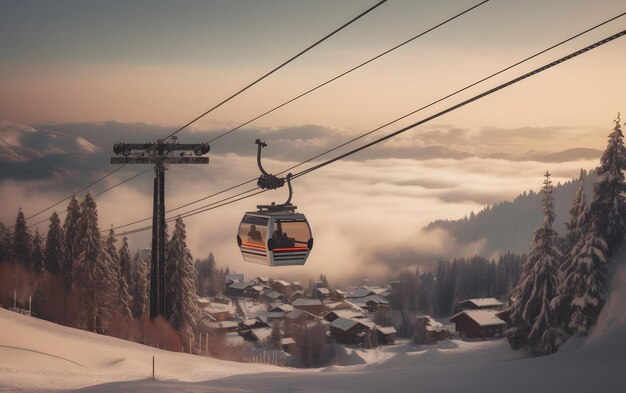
(262, 280)
(296, 295)
(386, 335)
(296, 286)
(278, 310)
(350, 331)
(321, 293)
(219, 311)
(361, 293)
(238, 288)
(257, 335)
(435, 330)
(337, 295)
(483, 303)
(289, 345)
(273, 296)
(478, 324)
(300, 316)
(255, 323)
(342, 305)
(231, 278)
(281, 286)
(256, 291)
(202, 302)
(220, 327)
(372, 303)
(314, 306)
(345, 313)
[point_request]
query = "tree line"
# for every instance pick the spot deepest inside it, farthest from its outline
(78, 277)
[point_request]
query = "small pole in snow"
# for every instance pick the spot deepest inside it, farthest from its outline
(152, 366)
(14, 300)
(30, 303)
(190, 343)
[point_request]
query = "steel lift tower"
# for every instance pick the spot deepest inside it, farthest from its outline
(159, 154)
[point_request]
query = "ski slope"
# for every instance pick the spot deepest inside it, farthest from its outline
(37, 355)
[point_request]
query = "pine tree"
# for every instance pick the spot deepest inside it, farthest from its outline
(575, 223)
(72, 239)
(125, 279)
(181, 284)
(5, 243)
(91, 277)
(54, 245)
(275, 341)
(39, 253)
(139, 287)
(117, 296)
(534, 325)
(608, 190)
(22, 246)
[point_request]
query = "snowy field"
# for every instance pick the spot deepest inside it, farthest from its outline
(37, 355)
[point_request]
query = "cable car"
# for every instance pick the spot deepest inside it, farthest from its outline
(274, 235)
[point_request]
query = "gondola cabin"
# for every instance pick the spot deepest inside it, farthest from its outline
(275, 238)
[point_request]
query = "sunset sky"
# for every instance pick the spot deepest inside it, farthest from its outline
(160, 64)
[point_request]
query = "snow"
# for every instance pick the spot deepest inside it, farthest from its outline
(343, 323)
(482, 317)
(485, 302)
(387, 330)
(37, 355)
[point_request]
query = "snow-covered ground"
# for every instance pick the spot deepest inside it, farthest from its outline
(38, 355)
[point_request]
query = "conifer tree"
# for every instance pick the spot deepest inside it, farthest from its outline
(139, 287)
(181, 283)
(534, 325)
(39, 253)
(22, 247)
(575, 223)
(72, 239)
(54, 245)
(124, 276)
(91, 278)
(5, 243)
(608, 191)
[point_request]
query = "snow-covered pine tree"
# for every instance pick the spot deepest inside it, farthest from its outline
(534, 325)
(139, 287)
(91, 277)
(22, 247)
(54, 245)
(181, 284)
(39, 253)
(608, 190)
(124, 277)
(72, 239)
(575, 222)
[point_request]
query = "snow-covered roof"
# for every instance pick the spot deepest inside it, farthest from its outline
(481, 317)
(297, 283)
(282, 283)
(258, 288)
(262, 279)
(240, 285)
(221, 325)
(367, 299)
(387, 330)
(306, 302)
(281, 307)
(234, 338)
(203, 301)
(216, 308)
(344, 324)
(234, 277)
(484, 302)
(361, 292)
(287, 341)
(432, 325)
(262, 333)
(297, 314)
(338, 291)
(274, 295)
(323, 291)
(348, 313)
(275, 314)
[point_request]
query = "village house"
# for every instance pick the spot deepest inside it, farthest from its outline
(281, 286)
(313, 306)
(238, 288)
(300, 315)
(321, 293)
(273, 296)
(386, 335)
(372, 303)
(255, 323)
(231, 278)
(218, 327)
(256, 291)
(258, 336)
(478, 324)
(350, 331)
(343, 313)
(289, 345)
(485, 303)
(435, 331)
(218, 311)
(337, 295)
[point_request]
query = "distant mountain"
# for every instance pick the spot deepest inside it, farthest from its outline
(30, 153)
(576, 154)
(508, 226)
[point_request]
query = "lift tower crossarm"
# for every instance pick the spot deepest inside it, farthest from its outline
(159, 154)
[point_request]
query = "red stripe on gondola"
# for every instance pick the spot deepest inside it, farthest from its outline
(253, 245)
(292, 249)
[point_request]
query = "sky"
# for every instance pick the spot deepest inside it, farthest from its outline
(75, 66)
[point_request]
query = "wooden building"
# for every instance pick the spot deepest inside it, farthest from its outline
(313, 306)
(478, 324)
(483, 303)
(350, 331)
